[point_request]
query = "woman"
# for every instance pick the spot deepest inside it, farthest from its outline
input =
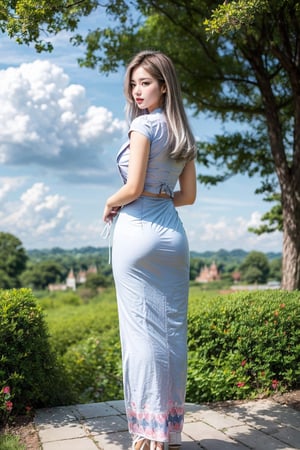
(150, 253)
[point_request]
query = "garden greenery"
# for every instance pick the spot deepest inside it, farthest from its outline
(29, 371)
(241, 345)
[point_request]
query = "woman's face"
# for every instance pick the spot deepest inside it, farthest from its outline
(146, 90)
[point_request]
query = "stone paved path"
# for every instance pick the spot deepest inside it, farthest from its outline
(259, 425)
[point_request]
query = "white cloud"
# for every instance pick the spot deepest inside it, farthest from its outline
(47, 121)
(218, 203)
(41, 218)
(36, 213)
(205, 233)
(8, 185)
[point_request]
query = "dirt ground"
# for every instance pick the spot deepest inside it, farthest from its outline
(25, 429)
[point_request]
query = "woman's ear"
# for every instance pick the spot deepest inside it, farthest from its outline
(163, 89)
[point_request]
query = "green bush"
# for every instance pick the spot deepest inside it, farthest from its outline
(85, 338)
(27, 364)
(243, 345)
(94, 370)
(70, 323)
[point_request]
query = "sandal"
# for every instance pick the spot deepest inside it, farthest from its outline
(154, 445)
(140, 443)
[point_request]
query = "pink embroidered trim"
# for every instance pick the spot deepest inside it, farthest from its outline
(156, 426)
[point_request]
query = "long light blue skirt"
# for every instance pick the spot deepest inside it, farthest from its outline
(150, 258)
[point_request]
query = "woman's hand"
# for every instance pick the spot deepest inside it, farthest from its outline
(138, 161)
(110, 213)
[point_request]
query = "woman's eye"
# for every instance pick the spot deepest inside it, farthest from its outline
(145, 83)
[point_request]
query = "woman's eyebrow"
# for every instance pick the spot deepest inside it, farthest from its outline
(141, 79)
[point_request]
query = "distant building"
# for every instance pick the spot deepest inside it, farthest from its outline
(208, 274)
(236, 276)
(73, 280)
(57, 287)
(92, 269)
(81, 276)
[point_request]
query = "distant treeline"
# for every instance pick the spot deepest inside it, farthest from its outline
(237, 255)
(228, 255)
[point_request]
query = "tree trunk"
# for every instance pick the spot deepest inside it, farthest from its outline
(291, 241)
(287, 173)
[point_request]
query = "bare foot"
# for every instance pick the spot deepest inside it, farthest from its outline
(154, 445)
(141, 443)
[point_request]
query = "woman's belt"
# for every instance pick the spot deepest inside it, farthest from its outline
(152, 194)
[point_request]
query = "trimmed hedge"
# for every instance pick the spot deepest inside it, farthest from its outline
(244, 345)
(94, 369)
(241, 345)
(27, 364)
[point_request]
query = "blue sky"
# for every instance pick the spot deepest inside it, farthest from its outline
(61, 127)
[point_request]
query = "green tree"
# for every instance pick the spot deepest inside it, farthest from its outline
(29, 21)
(255, 268)
(39, 275)
(6, 282)
(195, 266)
(253, 275)
(13, 259)
(273, 217)
(96, 280)
(275, 269)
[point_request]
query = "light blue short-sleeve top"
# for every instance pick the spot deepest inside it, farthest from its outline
(162, 171)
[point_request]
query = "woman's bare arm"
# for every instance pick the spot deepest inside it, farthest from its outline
(187, 186)
(138, 161)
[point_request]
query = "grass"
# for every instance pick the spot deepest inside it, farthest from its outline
(10, 442)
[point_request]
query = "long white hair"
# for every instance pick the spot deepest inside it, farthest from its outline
(180, 137)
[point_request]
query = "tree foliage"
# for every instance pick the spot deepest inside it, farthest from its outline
(255, 268)
(40, 275)
(273, 218)
(28, 21)
(13, 259)
(275, 269)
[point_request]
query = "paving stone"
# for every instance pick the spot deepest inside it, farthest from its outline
(70, 431)
(188, 443)
(118, 405)
(264, 424)
(254, 438)
(210, 438)
(216, 419)
(286, 416)
(107, 424)
(289, 435)
(195, 412)
(192, 407)
(90, 410)
(58, 415)
(72, 444)
(256, 425)
(114, 441)
(266, 417)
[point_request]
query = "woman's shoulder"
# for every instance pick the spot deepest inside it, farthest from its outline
(155, 117)
(140, 120)
(142, 124)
